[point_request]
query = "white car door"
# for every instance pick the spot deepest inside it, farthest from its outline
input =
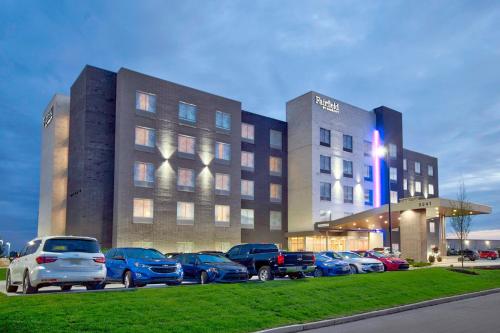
(15, 266)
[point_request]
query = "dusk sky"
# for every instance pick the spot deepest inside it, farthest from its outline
(437, 62)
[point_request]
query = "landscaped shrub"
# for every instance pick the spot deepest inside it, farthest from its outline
(432, 259)
(464, 271)
(420, 264)
(439, 258)
(410, 260)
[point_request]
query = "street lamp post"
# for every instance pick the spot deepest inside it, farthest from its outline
(383, 153)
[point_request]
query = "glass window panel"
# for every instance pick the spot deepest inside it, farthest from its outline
(185, 210)
(275, 139)
(247, 188)
(347, 143)
(222, 213)
(324, 137)
(393, 150)
(144, 136)
(348, 194)
(247, 131)
(145, 101)
(325, 191)
(393, 174)
(275, 192)
(187, 112)
(247, 159)
(223, 120)
(143, 208)
(185, 177)
(347, 168)
(275, 165)
(185, 144)
(247, 218)
(275, 220)
(222, 182)
(222, 151)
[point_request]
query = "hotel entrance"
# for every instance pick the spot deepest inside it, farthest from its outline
(347, 241)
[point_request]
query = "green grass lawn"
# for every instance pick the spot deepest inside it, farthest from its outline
(232, 308)
(2, 273)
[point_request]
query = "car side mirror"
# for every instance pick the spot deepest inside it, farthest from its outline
(119, 258)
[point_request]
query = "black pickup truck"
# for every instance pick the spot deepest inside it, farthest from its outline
(267, 261)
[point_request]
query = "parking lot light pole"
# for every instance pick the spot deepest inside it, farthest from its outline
(383, 153)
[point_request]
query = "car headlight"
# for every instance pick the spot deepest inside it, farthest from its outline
(139, 265)
(178, 266)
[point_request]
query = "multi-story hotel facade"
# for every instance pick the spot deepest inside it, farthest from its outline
(157, 164)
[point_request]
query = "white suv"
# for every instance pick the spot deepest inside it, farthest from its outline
(57, 261)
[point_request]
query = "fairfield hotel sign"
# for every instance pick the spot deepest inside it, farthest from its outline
(327, 104)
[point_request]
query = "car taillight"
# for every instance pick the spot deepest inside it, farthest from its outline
(45, 259)
(100, 260)
(281, 259)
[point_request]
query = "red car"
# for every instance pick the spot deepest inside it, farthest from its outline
(390, 263)
(488, 254)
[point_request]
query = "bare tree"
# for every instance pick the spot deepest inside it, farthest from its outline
(461, 218)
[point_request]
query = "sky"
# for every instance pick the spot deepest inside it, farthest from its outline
(437, 62)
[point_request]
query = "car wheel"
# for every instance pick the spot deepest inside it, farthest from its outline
(203, 277)
(8, 284)
(354, 269)
(140, 285)
(318, 272)
(27, 287)
(128, 280)
(265, 273)
(95, 286)
(66, 288)
(385, 268)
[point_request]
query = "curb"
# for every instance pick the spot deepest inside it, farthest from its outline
(377, 313)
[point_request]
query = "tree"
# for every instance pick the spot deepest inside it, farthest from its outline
(461, 218)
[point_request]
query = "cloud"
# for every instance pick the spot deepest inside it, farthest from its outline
(493, 234)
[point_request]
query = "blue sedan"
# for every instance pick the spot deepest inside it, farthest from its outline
(211, 267)
(326, 266)
(138, 267)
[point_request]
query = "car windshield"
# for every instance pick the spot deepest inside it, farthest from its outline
(378, 254)
(62, 245)
(322, 257)
(350, 255)
(143, 254)
(332, 255)
(209, 258)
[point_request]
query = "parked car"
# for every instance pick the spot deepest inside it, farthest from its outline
(209, 267)
(390, 263)
(387, 251)
(62, 261)
(451, 252)
(328, 266)
(136, 267)
(472, 255)
(359, 264)
(267, 261)
(488, 254)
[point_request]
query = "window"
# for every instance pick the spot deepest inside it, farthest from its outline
(275, 139)
(417, 167)
(222, 183)
(144, 136)
(247, 132)
(185, 179)
(324, 164)
(418, 187)
(394, 197)
(187, 112)
(222, 120)
(145, 102)
(324, 137)
(143, 210)
(432, 227)
(369, 197)
(405, 184)
(348, 195)
(393, 174)
(275, 192)
(275, 166)
(347, 169)
(247, 160)
(222, 214)
(144, 174)
(347, 143)
(275, 220)
(247, 219)
(368, 172)
(325, 191)
(393, 150)
(185, 212)
(222, 151)
(405, 167)
(430, 170)
(185, 144)
(431, 189)
(247, 189)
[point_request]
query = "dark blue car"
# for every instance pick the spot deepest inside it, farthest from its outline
(211, 267)
(326, 266)
(138, 266)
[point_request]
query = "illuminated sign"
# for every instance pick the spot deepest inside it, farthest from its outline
(376, 168)
(47, 118)
(327, 104)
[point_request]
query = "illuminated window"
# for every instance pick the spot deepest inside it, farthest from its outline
(275, 166)
(325, 191)
(247, 218)
(222, 183)
(369, 197)
(405, 184)
(325, 164)
(275, 139)
(394, 197)
(187, 112)
(368, 172)
(432, 227)
(144, 174)
(393, 174)
(348, 194)
(430, 170)
(418, 187)
(222, 151)
(296, 244)
(143, 210)
(185, 212)
(275, 192)
(347, 168)
(247, 189)
(431, 189)
(185, 179)
(417, 167)
(247, 131)
(275, 220)
(144, 136)
(185, 144)
(247, 160)
(393, 150)
(222, 120)
(405, 167)
(145, 102)
(222, 214)
(347, 143)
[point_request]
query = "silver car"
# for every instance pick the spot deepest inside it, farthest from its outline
(360, 264)
(57, 261)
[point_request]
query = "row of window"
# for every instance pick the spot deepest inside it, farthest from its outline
(418, 170)
(418, 187)
(348, 193)
(325, 163)
(248, 134)
(143, 213)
